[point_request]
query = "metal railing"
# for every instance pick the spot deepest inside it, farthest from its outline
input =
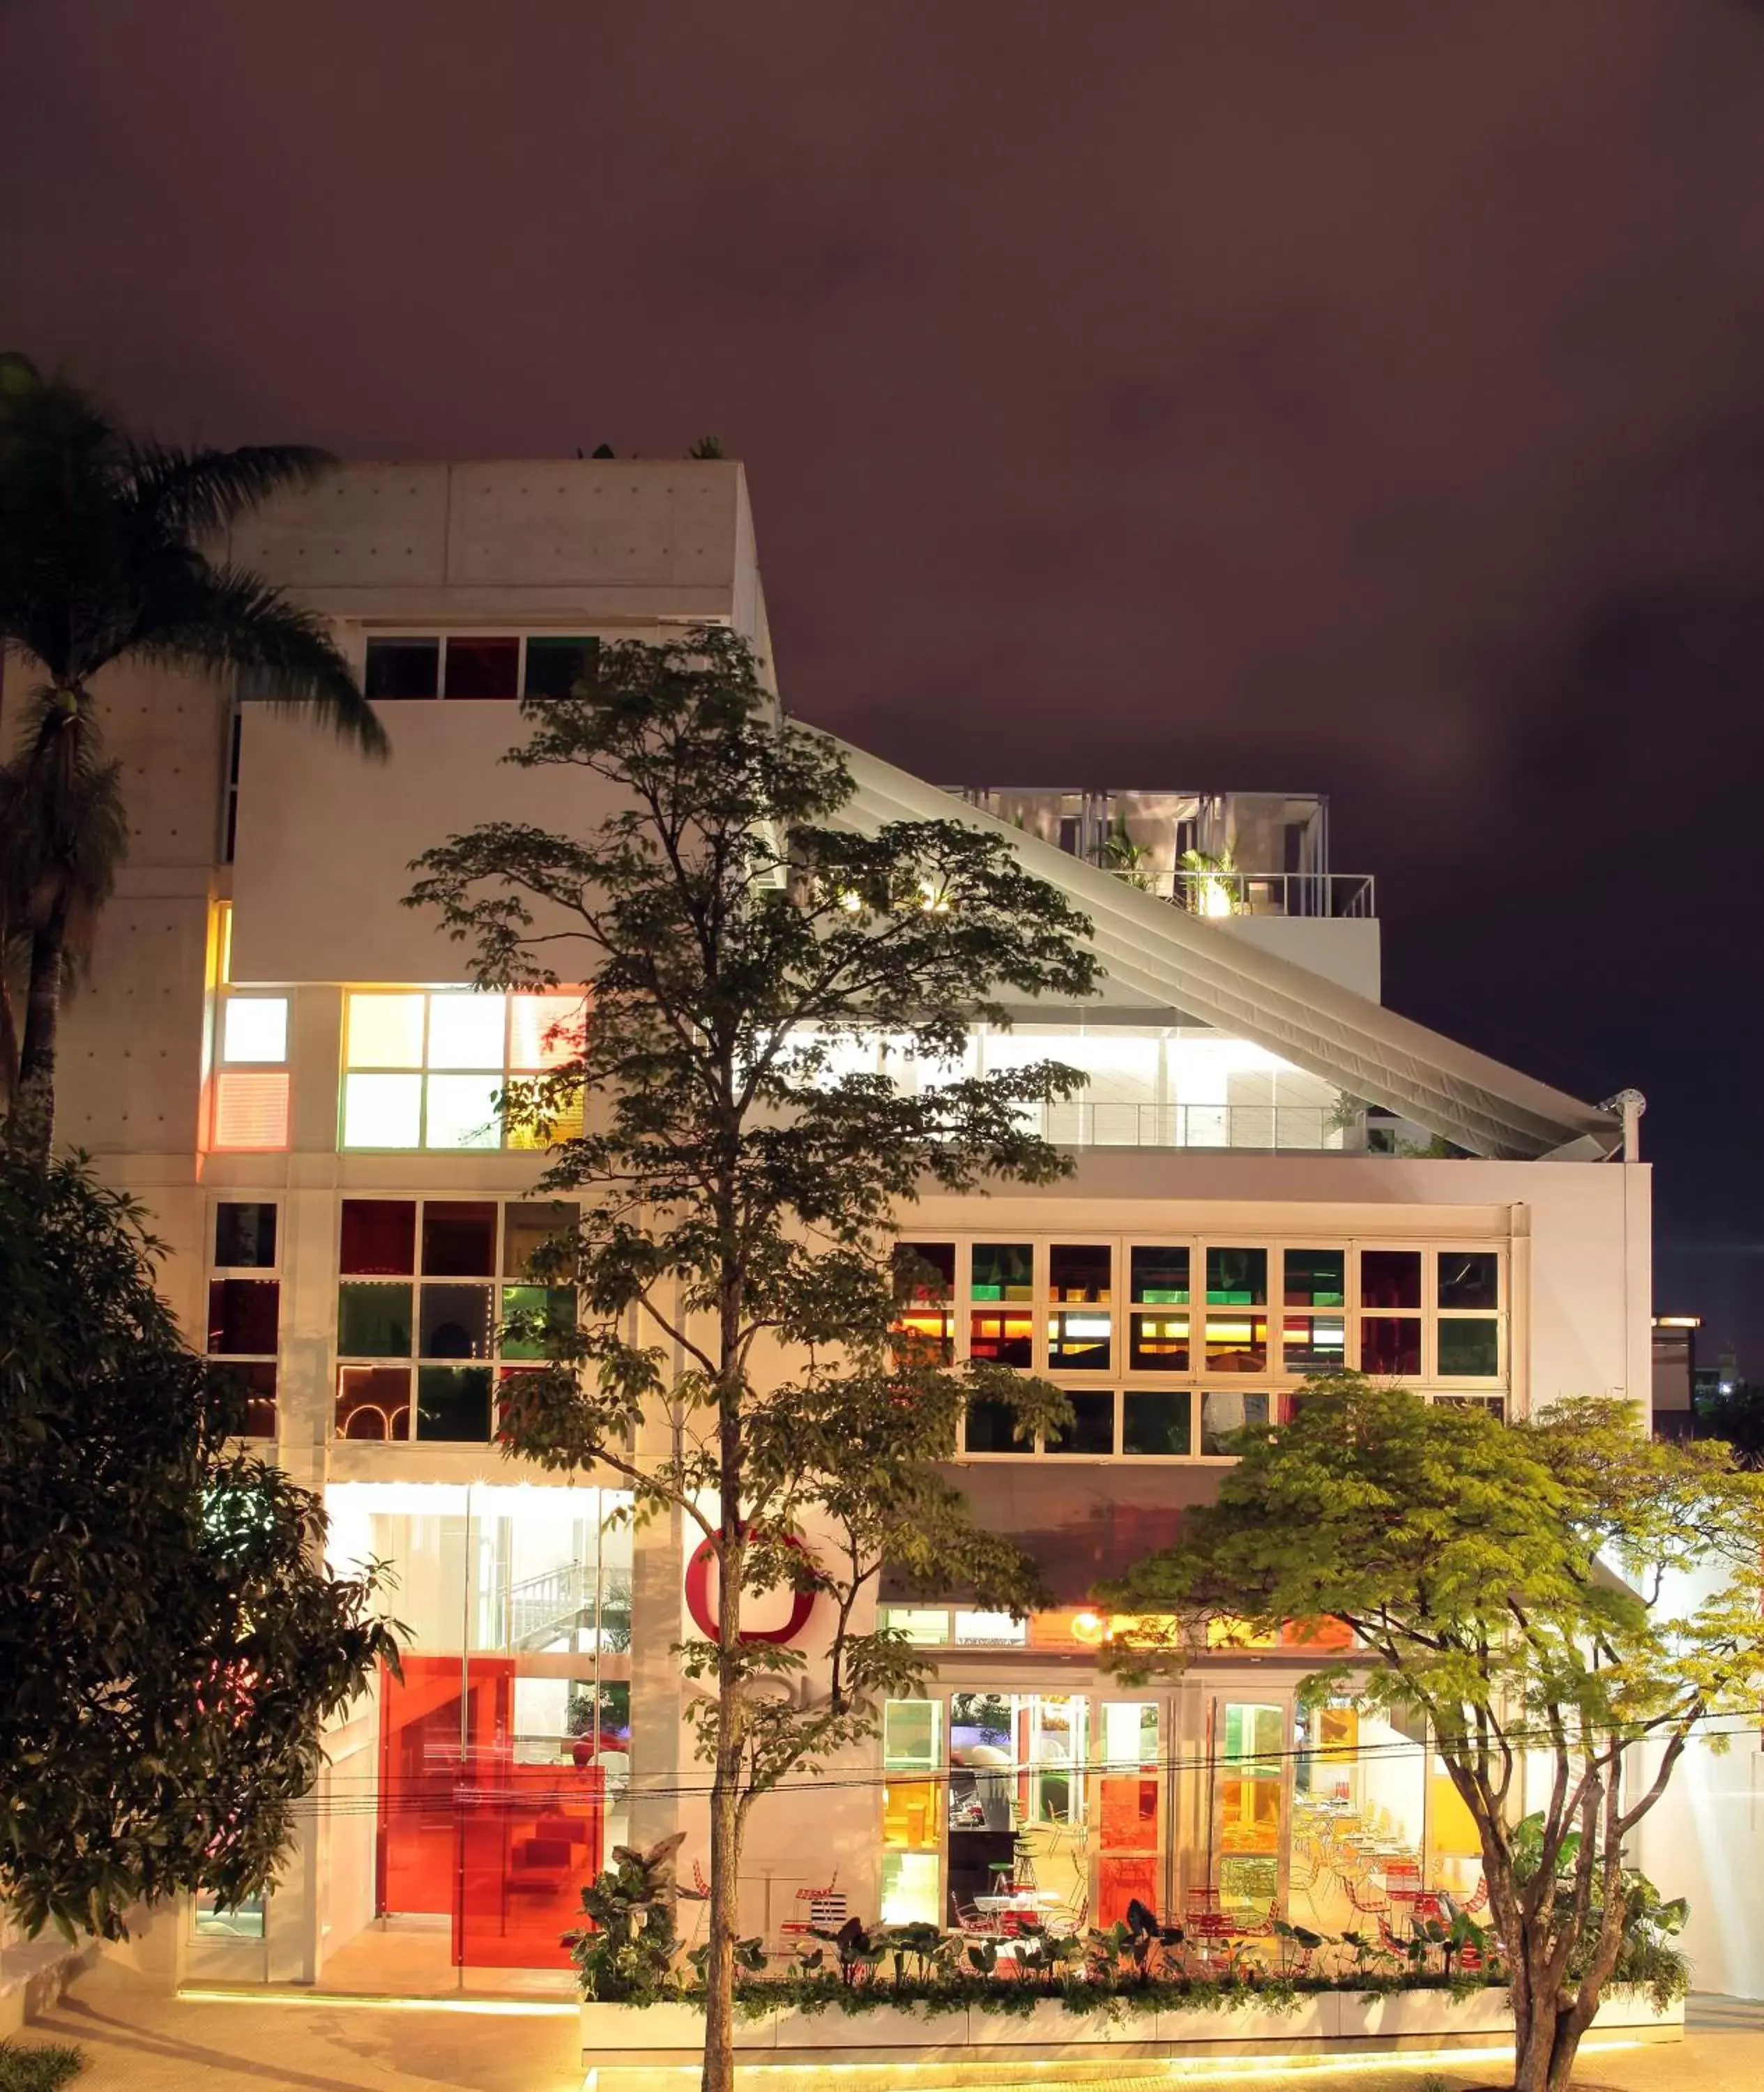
(1267, 1128)
(547, 1607)
(1225, 893)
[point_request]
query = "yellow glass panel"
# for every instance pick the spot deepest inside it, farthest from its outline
(385, 1032)
(909, 1815)
(568, 1126)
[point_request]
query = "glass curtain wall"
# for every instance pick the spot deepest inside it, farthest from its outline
(498, 1769)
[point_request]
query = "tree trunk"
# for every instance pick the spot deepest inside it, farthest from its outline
(725, 1892)
(34, 1113)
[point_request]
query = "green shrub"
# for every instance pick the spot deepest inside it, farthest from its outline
(40, 2067)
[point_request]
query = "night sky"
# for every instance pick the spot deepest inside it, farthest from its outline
(1367, 399)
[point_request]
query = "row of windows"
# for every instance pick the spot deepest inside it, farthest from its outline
(1148, 1423)
(1214, 1308)
(421, 1071)
(479, 665)
(429, 1283)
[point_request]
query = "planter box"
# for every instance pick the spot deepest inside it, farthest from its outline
(1311, 2020)
(1048, 2027)
(1408, 2015)
(888, 2026)
(1315, 2024)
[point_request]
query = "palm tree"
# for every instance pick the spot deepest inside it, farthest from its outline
(101, 560)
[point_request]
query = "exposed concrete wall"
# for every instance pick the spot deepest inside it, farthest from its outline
(515, 541)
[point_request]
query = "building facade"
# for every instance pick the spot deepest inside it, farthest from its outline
(1274, 1176)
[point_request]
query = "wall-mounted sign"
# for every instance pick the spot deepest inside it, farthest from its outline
(698, 1571)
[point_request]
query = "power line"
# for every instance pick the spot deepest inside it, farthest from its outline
(371, 1800)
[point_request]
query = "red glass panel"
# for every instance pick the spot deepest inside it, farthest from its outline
(1390, 1346)
(481, 668)
(374, 1402)
(1120, 1882)
(260, 1400)
(531, 1836)
(501, 1848)
(379, 1238)
(242, 1317)
(425, 1737)
(459, 1238)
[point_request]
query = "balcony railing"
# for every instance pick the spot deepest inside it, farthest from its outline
(1225, 893)
(1267, 1128)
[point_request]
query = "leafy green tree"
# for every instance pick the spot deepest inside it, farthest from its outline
(735, 928)
(170, 1642)
(101, 560)
(1529, 1590)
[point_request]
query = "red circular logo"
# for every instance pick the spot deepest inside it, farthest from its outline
(699, 1598)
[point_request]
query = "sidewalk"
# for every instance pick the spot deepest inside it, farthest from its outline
(136, 2040)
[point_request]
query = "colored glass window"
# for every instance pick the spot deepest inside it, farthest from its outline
(453, 1403)
(1079, 1342)
(458, 1322)
(1003, 1271)
(1079, 1271)
(463, 1112)
(1236, 1343)
(1006, 1340)
(1155, 1422)
(990, 1429)
(1315, 1344)
(379, 1236)
(254, 1028)
(374, 1402)
(1092, 1427)
(481, 668)
(1224, 1411)
(1390, 1346)
(403, 667)
(543, 1310)
(1316, 1278)
(544, 1031)
(385, 1032)
(1390, 1278)
(244, 1315)
(561, 668)
(257, 1383)
(1469, 1349)
(467, 1031)
(1237, 1277)
(1159, 1343)
(373, 1321)
(1469, 1278)
(382, 1110)
(244, 1234)
(527, 1227)
(1161, 1275)
(459, 1238)
(250, 1110)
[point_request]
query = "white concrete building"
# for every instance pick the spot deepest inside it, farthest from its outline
(289, 1064)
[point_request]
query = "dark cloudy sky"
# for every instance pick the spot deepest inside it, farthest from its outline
(1367, 397)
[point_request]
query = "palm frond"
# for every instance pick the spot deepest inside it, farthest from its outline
(224, 618)
(197, 493)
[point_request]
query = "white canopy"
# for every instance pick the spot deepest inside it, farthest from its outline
(1182, 962)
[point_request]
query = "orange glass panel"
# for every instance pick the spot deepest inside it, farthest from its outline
(251, 1110)
(1127, 1807)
